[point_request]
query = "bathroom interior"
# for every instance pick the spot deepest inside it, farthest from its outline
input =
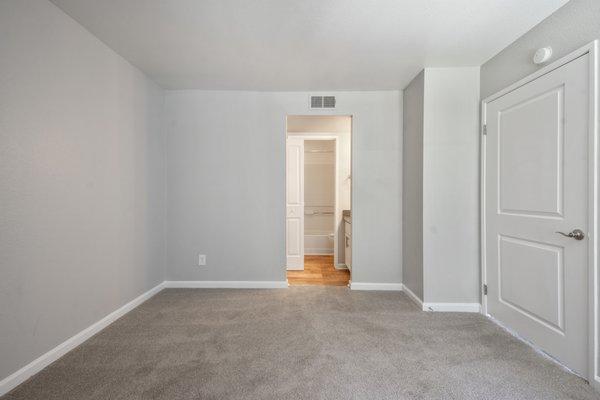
(322, 176)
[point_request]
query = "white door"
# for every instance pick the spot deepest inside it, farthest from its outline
(536, 180)
(294, 224)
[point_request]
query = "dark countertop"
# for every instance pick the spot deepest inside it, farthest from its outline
(347, 215)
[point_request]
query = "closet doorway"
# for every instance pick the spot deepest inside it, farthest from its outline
(318, 200)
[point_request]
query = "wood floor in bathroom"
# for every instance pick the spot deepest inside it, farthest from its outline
(319, 270)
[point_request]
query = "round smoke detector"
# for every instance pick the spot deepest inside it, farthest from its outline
(542, 55)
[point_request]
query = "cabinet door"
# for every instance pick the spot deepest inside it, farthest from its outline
(348, 251)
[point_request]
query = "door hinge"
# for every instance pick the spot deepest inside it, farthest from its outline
(485, 290)
(484, 130)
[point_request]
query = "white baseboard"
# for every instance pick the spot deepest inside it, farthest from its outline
(316, 251)
(376, 286)
(413, 296)
(453, 307)
(442, 307)
(227, 284)
(15, 379)
(341, 266)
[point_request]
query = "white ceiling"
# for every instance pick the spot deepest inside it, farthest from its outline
(304, 44)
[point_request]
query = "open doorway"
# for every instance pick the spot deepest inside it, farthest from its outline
(318, 200)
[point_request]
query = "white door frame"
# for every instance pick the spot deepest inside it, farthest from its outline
(327, 136)
(593, 187)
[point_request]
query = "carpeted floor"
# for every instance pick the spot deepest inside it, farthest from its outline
(299, 343)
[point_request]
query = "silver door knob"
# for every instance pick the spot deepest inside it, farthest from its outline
(576, 234)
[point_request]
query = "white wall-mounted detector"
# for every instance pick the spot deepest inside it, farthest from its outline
(542, 55)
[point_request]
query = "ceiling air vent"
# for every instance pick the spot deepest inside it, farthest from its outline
(322, 101)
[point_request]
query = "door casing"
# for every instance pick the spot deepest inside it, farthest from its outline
(593, 187)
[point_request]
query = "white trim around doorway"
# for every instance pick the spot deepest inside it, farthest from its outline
(338, 209)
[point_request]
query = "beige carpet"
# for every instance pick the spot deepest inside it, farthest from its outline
(299, 343)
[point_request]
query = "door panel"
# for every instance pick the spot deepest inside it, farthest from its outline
(293, 236)
(295, 204)
(536, 184)
(524, 265)
(530, 156)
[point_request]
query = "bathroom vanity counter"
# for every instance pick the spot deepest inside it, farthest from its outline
(347, 215)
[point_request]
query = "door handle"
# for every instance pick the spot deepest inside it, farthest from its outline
(576, 234)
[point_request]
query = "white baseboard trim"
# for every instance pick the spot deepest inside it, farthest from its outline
(376, 286)
(316, 251)
(413, 296)
(453, 307)
(227, 284)
(341, 266)
(442, 307)
(15, 379)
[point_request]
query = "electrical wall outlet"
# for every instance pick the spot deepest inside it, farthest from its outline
(201, 259)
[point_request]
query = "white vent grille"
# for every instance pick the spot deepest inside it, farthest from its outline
(322, 101)
(328, 101)
(316, 101)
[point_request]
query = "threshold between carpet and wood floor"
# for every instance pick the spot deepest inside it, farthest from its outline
(301, 342)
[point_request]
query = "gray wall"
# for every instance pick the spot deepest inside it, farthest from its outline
(226, 183)
(440, 185)
(412, 187)
(572, 26)
(451, 185)
(81, 181)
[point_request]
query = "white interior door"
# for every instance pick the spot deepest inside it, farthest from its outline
(537, 185)
(294, 224)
